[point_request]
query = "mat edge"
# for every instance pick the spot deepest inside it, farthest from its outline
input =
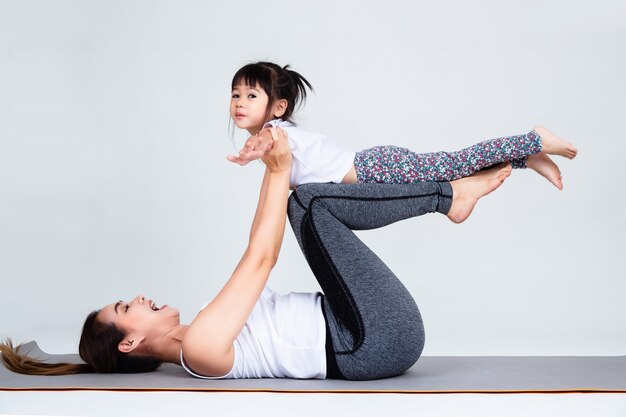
(355, 391)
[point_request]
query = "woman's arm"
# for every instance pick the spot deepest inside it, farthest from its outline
(260, 203)
(208, 344)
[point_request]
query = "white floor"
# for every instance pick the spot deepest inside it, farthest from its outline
(179, 404)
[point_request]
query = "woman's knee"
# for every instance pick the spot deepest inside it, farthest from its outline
(305, 193)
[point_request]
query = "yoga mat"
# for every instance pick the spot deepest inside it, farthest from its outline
(431, 374)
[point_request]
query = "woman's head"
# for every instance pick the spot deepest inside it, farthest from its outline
(263, 91)
(99, 348)
(124, 336)
(119, 338)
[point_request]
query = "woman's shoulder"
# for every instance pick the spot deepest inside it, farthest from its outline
(203, 358)
(201, 350)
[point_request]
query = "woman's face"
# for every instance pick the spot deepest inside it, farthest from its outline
(140, 318)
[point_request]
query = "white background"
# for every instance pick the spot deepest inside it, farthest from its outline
(114, 182)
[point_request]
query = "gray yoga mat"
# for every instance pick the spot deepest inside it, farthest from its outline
(431, 374)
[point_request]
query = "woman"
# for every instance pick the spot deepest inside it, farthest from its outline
(365, 326)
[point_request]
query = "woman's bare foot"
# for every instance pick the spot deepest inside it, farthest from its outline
(467, 191)
(544, 166)
(554, 145)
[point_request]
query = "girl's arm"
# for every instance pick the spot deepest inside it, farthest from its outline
(208, 344)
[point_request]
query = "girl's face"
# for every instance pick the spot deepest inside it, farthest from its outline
(248, 107)
(140, 319)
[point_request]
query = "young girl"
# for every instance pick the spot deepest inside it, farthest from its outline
(265, 95)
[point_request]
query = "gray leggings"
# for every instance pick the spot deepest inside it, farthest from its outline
(374, 328)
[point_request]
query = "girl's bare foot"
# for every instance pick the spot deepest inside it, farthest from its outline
(543, 165)
(554, 145)
(467, 191)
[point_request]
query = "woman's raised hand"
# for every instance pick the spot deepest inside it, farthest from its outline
(279, 157)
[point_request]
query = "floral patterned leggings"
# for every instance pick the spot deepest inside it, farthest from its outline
(395, 165)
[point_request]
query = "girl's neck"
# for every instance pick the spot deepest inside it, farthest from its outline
(256, 130)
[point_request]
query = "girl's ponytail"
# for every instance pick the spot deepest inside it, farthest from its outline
(299, 86)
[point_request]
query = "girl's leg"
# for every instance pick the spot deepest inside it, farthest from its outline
(374, 326)
(391, 164)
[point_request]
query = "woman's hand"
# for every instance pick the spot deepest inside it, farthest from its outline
(279, 157)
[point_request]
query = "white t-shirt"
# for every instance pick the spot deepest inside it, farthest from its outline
(284, 337)
(316, 158)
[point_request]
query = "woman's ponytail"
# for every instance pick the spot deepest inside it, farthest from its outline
(21, 363)
(98, 347)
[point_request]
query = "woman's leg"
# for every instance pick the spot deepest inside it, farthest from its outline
(395, 165)
(374, 324)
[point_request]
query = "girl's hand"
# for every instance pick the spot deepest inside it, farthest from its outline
(254, 148)
(279, 157)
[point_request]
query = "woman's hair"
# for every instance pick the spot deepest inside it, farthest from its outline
(97, 347)
(277, 82)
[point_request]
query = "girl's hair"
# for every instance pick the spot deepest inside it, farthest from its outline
(277, 82)
(97, 347)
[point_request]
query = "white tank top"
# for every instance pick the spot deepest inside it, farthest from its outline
(284, 337)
